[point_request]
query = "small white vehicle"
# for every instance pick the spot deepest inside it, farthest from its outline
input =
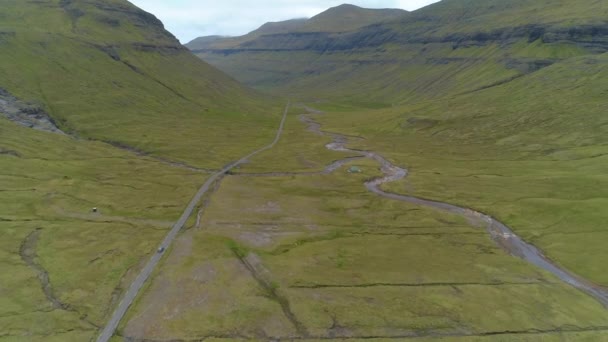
(161, 249)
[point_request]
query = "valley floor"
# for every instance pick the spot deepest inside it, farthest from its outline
(314, 238)
(288, 247)
(450, 183)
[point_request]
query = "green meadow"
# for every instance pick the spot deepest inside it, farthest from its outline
(531, 153)
(49, 186)
(491, 105)
(318, 256)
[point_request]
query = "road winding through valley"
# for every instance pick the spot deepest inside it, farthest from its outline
(499, 232)
(144, 275)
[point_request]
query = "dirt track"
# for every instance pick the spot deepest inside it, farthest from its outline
(144, 275)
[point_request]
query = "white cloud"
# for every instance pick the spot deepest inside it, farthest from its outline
(188, 19)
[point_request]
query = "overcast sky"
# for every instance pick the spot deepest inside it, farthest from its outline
(188, 19)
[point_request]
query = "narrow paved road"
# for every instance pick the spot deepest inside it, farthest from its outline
(143, 276)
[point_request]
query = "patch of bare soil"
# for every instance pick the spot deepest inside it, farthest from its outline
(167, 299)
(268, 207)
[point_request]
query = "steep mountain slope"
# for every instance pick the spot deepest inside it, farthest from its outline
(343, 18)
(107, 70)
(450, 47)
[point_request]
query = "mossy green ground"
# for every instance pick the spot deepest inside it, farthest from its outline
(348, 263)
(298, 150)
(532, 153)
(276, 256)
(108, 72)
(51, 183)
(104, 71)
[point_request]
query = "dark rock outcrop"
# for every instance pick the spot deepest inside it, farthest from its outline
(25, 114)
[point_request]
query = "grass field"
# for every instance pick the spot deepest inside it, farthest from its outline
(298, 150)
(48, 186)
(531, 153)
(319, 256)
(279, 249)
(108, 74)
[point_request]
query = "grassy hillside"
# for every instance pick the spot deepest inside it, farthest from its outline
(488, 15)
(493, 105)
(108, 74)
(448, 48)
(280, 27)
(63, 266)
(531, 153)
(317, 257)
(106, 70)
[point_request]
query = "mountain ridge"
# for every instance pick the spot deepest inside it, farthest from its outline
(342, 18)
(136, 75)
(482, 38)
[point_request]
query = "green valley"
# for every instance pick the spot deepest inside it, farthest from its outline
(136, 108)
(445, 49)
(364, 174)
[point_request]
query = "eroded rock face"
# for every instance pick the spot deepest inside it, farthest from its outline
(26, 114)
(594, 37)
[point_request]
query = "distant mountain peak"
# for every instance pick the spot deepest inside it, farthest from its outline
(349, 9)
(344, 6)
(281, 26)
(342, 18)
(348, 17)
